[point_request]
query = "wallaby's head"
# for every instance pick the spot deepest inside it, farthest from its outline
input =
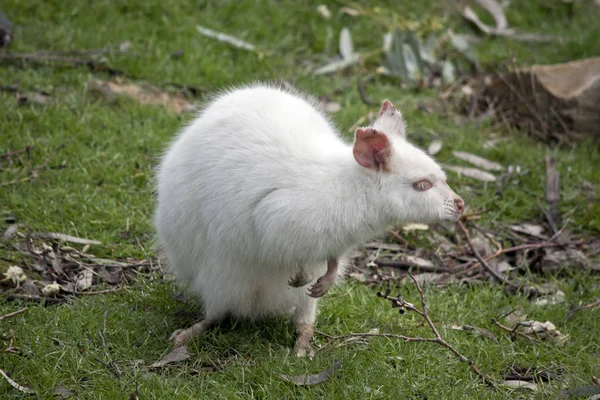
(413, 186)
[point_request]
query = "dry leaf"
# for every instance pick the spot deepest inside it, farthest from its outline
(225, 38)
(476, 330)
(529, 229)
(556, 298)
(111, 275)
(51, 289)
(543, 331)
(434, 147)
(346, 45)
(501, 28)
(418, 261)
(62, 236)
(176, 355)
(84, 279)
(520, 385)
(353, 12)
(478, 161)
(324, 11)
(333, 107)
(472, 173)
(302, 380)
(147, 94)
(415, 227)
(29, 287)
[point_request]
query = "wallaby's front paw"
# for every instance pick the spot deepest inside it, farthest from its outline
(321, 287)
(301, 279)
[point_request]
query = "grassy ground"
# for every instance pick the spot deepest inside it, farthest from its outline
(98, 186)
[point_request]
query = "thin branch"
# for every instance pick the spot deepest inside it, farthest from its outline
(479, 258)
(12, 314)
(399, 302)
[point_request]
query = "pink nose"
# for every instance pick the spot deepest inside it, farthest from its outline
(459, 205)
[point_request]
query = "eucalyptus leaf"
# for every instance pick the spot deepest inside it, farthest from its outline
(448, 72)
(346, 45)
(415, 47)
(411, 63)
(464, 44)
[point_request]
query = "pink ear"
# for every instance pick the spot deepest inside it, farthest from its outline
(372, 149)
(387, 108)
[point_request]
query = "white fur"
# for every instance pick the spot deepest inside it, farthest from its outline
(260, 185)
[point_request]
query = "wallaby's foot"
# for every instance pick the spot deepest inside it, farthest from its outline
(181, 337)
(302, 348)
(302, 278)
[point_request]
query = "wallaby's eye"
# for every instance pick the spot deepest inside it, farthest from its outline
(422, 185)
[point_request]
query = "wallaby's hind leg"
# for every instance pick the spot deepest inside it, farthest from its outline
(305, 321)
(181, 337)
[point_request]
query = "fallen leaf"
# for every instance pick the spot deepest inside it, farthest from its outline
(501, 28)
(418, 261)
(302, 380)
(333, 107)
(529, 229)
(84, 279)
(590, 390)
(478, 161)
(476, 330)
(434, 278)
(38, 98)
(472, 173)
(556, 298)
(415, 227)
(346, 45)
(62, 236)
(543, 331)
(337, 65)
(520, 385)
(30, 288)
(146, 94)
(64, 392)
(125, 46)
(176, 355)
(434, 147)
(225, 38)
(111, 275)
(10, 232)
(324, 11)
(353, 12)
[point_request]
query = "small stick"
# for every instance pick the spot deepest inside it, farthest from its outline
(362, 91)
(479, 258)
(514, 331)
(12, 314)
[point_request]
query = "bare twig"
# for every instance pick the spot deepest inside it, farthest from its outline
(62, 236)
(13, 296)
(110, 364)
(399, 302)
(362, 91)
(10, 154)
(408, 265)
(32, 172)
(483, 263)
(514, 331)
(574, 311)
(12, 314)
(14, 384)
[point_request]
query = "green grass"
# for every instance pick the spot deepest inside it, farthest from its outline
(99, 185)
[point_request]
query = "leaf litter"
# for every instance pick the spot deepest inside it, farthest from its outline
(52, 271)
(144, 93)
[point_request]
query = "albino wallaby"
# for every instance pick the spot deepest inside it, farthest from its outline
(259, 196)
